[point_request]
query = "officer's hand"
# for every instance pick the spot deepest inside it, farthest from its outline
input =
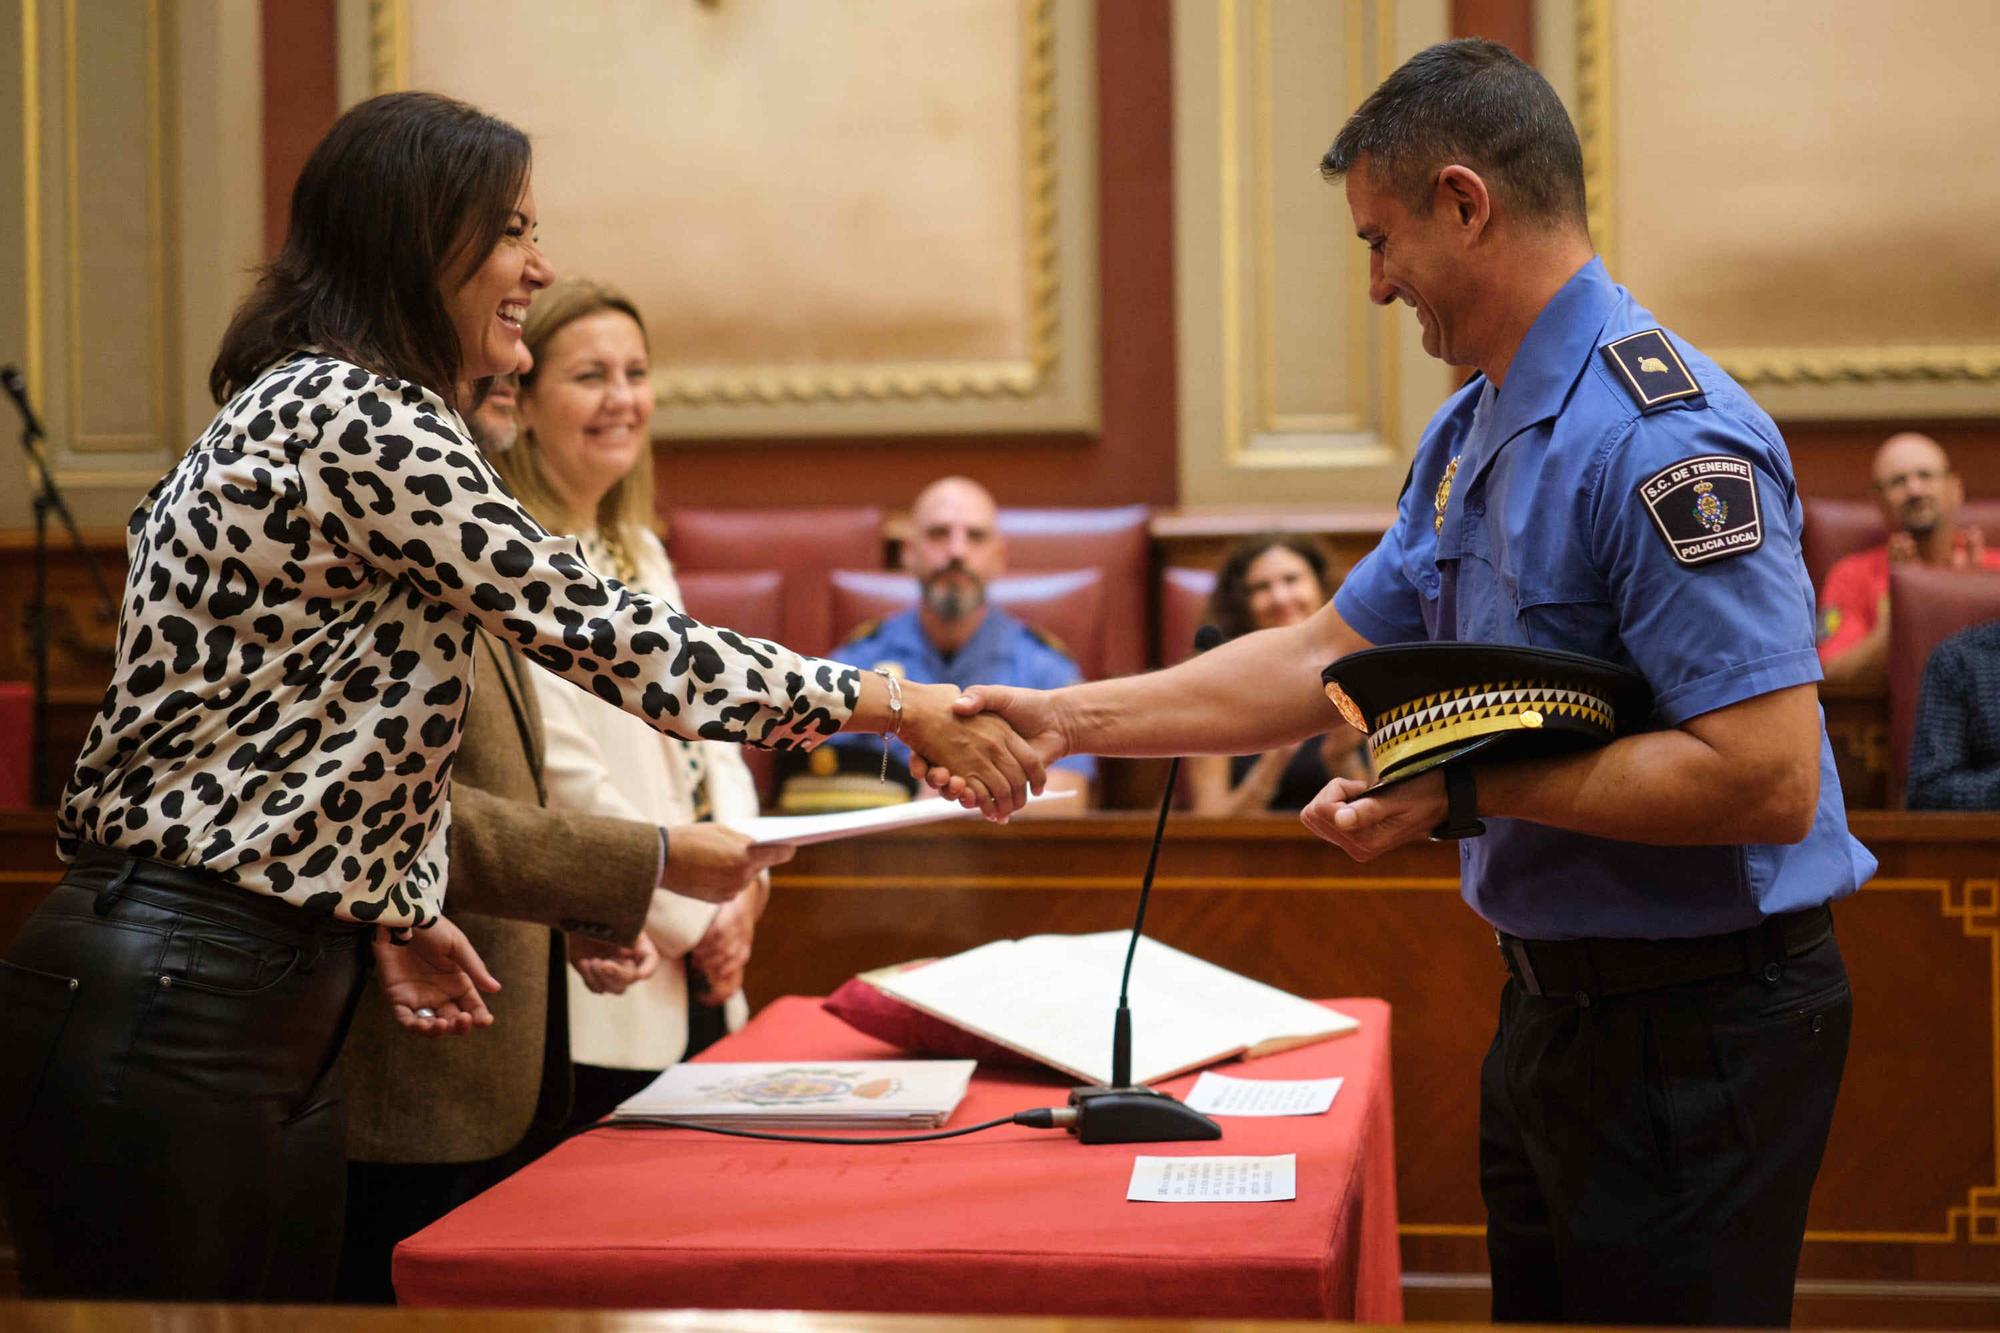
(1973, 554)
(713, 863)
(1902, 546)
(1366, 826)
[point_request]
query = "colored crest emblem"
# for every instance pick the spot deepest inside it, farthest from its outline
(1443, 497)
(1710, 509)
(1349, 710)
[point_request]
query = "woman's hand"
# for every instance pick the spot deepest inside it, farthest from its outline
(722, 954)
(714, 863)
(974, 757)
(612, 969)
(433, 982)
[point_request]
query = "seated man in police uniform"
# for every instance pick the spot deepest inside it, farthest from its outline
(952, 634)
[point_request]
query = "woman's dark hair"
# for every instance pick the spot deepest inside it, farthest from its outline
(402, 191)
(1229, 604)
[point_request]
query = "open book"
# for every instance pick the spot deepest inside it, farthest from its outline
(1051, 998)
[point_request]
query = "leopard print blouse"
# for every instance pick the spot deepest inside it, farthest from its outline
(294, 655)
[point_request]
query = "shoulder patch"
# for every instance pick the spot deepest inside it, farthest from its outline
(1705, 508)
(1651, 369)
(867, 629)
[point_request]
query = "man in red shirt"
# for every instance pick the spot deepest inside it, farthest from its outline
(1920, 496)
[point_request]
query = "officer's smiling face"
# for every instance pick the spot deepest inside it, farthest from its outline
(1410, 259)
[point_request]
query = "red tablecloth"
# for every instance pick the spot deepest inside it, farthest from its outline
(1011, 1221)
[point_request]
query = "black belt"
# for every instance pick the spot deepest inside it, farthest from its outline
(111, 874)
(1586, 968)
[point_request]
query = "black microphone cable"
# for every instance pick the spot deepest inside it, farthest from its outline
(1040, 1117)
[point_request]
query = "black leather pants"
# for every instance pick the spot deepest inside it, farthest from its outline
(171, 1125)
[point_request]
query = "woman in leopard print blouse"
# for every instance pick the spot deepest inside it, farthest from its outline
(269, 774)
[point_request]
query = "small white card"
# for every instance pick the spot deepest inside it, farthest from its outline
(1218, 1094)
(1214, 1179)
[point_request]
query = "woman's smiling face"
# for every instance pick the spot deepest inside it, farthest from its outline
(590, 404)
(488, 306)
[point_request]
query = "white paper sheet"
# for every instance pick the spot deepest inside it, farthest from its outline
(1214, 1179)
(801, 830)
(1219, 1094)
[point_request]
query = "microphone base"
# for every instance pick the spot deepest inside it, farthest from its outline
(1136, 1115)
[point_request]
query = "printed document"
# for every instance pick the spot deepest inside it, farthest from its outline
(1219, 1094)
(1214, 1179)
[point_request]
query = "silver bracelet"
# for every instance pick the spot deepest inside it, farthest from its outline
(895, 716)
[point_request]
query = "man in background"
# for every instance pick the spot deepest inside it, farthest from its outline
(1920, 497)
(1955, 746)
(954, 634)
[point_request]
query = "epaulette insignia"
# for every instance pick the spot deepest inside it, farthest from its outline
(865, 630)
(1050, 641)
(1651, 369)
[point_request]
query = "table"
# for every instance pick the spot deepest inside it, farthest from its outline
(1011, 1221)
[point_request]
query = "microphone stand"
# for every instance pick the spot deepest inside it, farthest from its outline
(1124, 1112)
(46, 498)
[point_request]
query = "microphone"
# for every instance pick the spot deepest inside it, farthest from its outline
(17, 389)
(1124, 1112)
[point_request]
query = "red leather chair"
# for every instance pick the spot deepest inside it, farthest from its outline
(1184, 595)
(802, 544)
(1838, 527)
(1113, 540)
(1926, 606)
(1067, 604)
(751, 601)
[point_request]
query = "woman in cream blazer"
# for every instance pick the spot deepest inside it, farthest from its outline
(582, 463)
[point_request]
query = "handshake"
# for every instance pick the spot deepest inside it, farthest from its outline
(986, 747)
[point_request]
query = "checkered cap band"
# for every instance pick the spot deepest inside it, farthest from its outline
(1450, 717)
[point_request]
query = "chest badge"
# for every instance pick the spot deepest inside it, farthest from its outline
(1443, 496)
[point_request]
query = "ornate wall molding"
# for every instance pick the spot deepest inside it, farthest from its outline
(1845, 381)
(1051, 385)
(1292, 385)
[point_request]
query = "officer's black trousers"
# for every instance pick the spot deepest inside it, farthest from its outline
(1647, 1158)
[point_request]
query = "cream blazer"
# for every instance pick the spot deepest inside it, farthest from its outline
(602, 761)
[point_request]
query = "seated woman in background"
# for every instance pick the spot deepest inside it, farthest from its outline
(1266, 581)
(582, 464)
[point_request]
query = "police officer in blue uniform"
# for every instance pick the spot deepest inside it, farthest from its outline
(1674, 1024)
(955, 634)
(1002, 649)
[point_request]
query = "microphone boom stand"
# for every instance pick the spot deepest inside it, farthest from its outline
(1124, 1112)
(46, 498)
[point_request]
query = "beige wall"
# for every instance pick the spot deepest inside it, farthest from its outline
(847, 216)
(1293, 388)
(131, 219)
(1802, 187)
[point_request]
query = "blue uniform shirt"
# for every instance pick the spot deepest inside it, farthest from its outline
(1547, 541)
(1002, 651)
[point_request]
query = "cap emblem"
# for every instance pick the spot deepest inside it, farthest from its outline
(1350, 711)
